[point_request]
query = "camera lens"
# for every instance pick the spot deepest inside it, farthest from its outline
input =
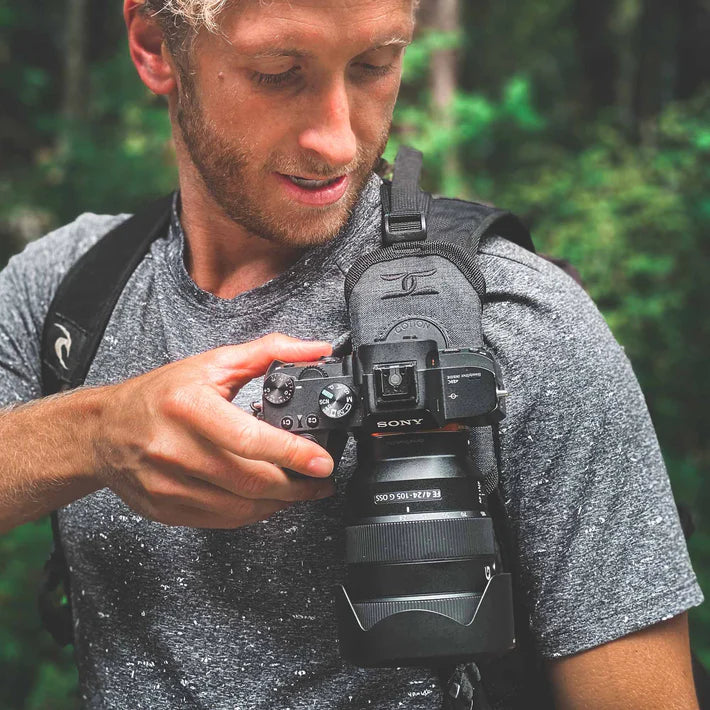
(419, 551)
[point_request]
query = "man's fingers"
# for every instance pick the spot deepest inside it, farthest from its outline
(244, 435)
(237, 364)
(212, 471)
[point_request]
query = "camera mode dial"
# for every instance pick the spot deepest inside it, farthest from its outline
(278, 388)
(336, 400)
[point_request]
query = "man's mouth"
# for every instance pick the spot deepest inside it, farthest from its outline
(311, 183)
(314, 192)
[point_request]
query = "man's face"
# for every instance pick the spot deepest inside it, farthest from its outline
(293, 93)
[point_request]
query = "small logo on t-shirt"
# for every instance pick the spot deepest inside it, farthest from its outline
(62, 345)
(408, 283)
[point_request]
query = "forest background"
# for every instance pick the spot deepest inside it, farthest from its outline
(591, 120)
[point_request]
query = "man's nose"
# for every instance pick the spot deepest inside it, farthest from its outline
(328, 131)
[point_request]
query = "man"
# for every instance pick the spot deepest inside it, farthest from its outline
(202, 575)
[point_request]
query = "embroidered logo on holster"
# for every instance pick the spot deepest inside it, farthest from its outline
(408, 283)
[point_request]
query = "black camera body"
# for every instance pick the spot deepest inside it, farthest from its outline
(386, 388)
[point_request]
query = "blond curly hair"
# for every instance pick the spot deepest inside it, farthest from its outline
(182, 19)
(194, 14)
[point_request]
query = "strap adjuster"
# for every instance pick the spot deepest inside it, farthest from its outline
(404, 227)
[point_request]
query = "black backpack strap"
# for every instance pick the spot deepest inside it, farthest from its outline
(86, 297)
(53, 601)
(73, 329)
(405, 205)
(410, 214)
(466, 223)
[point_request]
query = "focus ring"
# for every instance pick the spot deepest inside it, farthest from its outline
(408, 541)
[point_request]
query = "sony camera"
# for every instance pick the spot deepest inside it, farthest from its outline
(423, 584)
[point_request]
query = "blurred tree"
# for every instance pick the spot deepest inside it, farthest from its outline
(693, 58)
(75, 75)
(597, 55)
(444, 18)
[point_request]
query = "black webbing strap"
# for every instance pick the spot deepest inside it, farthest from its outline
(86, 297)
(406, 205)
(73, 329)
(410, 214)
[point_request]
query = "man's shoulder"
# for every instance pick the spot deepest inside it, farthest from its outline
(508, 267)
(31, 278)
(44, 262)
(27, 286)
(544, 327)
(61, 248)
(539, 293)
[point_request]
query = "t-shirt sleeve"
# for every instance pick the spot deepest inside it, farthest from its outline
(600, 546)
(27, 285)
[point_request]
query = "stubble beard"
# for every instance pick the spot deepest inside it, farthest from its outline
(224, 169)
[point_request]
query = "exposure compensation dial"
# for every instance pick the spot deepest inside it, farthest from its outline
(278, 388)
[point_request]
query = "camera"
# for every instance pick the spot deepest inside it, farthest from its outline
(423, 583)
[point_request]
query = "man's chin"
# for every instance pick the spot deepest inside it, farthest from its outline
(298, 225)
(291, 225)
(309, 228)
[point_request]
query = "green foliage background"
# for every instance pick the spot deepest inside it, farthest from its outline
(621, 190)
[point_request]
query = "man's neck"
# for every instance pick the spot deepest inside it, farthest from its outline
(221, 256)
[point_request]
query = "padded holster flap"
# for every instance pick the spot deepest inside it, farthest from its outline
(419, 291)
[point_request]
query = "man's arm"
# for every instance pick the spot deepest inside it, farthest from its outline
(46, 458)
(644, 670)
(170, 443)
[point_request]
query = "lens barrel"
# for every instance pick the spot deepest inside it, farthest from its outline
(422, 583)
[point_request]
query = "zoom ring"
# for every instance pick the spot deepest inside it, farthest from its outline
(416, 540)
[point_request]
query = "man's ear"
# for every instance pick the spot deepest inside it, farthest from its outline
(145, 43)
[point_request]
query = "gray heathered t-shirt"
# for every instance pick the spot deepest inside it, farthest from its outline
(174, 617)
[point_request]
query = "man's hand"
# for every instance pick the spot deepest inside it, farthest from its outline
(175, 449)
(170, 443)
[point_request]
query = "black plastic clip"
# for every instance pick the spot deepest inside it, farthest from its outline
(405, 227)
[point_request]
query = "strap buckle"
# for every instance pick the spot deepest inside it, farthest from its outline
(404, 227)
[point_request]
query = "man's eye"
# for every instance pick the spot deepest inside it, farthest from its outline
(375, 70)
(275, 79)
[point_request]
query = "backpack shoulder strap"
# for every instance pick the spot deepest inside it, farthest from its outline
(474, 221)
(86, 297)
(72, 331)
(410, 214)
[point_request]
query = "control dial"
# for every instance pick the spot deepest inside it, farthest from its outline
(312, 372)
(278, 388)
(336, 400)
